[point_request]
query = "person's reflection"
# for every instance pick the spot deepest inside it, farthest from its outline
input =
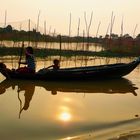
(5, 85)
(29, 89)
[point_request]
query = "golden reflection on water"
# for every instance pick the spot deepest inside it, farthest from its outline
(65, 116)
(65, 106)
(64, 111)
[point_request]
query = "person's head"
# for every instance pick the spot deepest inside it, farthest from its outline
(2, 90)
(56, 62)
(54, 92)
(2, 66)
(29, 50)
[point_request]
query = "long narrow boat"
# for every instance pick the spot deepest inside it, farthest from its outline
(81, 73)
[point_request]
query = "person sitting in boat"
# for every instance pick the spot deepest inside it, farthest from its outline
(29, 62)
(4, 70)
(55, 66)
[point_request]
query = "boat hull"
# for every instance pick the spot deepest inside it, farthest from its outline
(82, 73)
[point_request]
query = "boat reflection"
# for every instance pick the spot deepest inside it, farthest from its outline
(117, 86)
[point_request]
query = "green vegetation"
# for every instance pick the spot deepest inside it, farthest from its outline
(8, 33)
(40, 52)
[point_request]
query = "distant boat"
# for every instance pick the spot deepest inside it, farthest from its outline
(110, 71)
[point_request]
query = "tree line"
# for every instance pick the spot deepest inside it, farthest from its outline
(9, 33)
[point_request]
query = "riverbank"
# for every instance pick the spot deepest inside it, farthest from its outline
(44, 52)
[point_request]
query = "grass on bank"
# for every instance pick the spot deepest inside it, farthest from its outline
(41, 52)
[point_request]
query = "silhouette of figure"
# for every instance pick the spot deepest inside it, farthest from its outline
(29, 91)
(30, 62)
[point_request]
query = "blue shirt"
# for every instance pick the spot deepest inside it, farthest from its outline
(30, 62)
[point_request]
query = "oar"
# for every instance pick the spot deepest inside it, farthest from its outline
(20, 104)
(21, 52)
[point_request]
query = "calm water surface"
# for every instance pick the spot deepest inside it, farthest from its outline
(49, 45)
(98, 110)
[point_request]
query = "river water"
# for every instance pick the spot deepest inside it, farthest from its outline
(97, 110)
(50, 45)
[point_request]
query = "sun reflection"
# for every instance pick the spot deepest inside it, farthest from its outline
(65, 116)
(66, 99)
(68, 138)
(64, 108)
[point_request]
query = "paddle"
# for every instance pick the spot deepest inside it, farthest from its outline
(20, 103)
(21, 52)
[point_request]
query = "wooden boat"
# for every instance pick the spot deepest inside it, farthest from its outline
(81, 73)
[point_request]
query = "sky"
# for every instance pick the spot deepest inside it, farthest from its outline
(56, 13)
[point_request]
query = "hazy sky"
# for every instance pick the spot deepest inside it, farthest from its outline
(57, 14)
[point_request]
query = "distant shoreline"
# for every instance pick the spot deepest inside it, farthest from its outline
(44, 52)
